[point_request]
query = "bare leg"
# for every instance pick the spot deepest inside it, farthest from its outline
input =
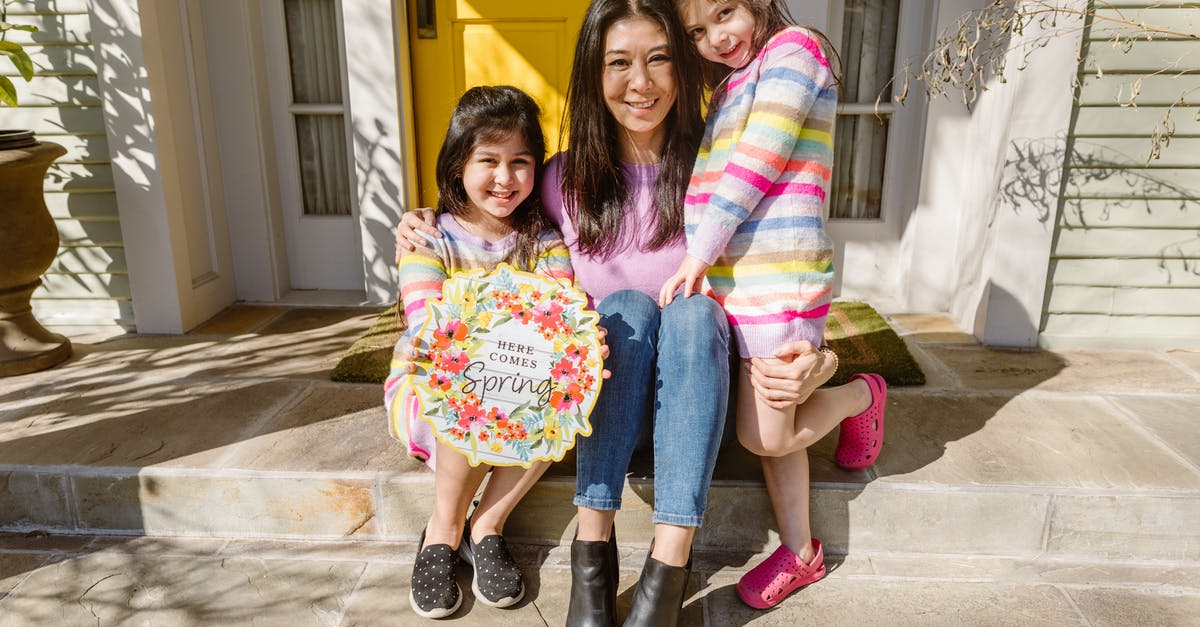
(595, 525)
(505, 488)
(787, 485)
(454, 485)
(672, 544)
(771, 432)
(782, 438)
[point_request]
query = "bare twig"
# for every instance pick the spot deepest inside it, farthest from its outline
(980, 46)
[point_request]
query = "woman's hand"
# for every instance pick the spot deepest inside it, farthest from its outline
(797, 370)
(602, 337)
(407, 236)
(689, 275)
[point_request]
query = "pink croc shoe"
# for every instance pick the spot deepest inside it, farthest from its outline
(861, 436)
(781, 574)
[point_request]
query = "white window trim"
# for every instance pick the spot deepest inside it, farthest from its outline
(905, 146)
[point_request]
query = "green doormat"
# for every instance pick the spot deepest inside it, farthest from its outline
(864, 342)
(369, 358)
(861, 338)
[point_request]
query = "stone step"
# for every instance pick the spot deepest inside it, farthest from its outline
(1089, 485)
(1072, 455)
(946, 520)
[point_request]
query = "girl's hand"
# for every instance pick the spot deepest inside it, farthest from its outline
(689, 275)
(412, 355)
(407, 236)
(788, 380)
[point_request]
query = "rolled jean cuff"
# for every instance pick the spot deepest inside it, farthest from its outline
(603, 505)
(679, 520)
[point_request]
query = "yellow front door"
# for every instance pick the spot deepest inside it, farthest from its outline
(457, 44)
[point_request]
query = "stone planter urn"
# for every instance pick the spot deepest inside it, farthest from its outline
(28, 245)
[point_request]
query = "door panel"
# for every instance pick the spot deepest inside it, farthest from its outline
(525, 43)
(319, 207)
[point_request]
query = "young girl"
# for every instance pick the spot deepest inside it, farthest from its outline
(754, 228)
(490, 213)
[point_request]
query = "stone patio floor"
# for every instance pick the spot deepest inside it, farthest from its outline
(219, 478)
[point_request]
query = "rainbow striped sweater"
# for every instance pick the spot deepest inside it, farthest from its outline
(423, 271)
(756, 198)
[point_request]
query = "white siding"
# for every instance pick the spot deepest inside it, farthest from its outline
(87, 287)
(1125, 267)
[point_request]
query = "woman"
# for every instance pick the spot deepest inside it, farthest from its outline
(633, 112)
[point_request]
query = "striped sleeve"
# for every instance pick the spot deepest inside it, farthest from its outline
(555, 261)
(793, 74)
(422, 273)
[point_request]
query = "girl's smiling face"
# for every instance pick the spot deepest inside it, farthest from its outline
(639, 77)
(723, 31)
(498, 177)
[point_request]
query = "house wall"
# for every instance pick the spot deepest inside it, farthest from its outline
(1125, 267)
(144, 213)
(87, 287)
(972, 241)
(976, 239)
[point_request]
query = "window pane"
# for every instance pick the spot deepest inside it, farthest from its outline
(321, 141)
(868, 54)
(314, 49)
(868, 48)
(860, 146)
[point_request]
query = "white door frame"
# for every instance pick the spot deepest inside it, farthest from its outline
(323, 251)
(873, 246)
(379, 83)
(379, 130)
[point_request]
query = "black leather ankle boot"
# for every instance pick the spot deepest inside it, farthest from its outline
(594, 573)
(659, 595)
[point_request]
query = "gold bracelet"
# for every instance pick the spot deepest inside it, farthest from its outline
(829, 351)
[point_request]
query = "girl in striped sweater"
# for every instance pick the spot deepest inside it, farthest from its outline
(487, 171)
(753, 216)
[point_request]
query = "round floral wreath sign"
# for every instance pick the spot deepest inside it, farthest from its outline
(511, 367)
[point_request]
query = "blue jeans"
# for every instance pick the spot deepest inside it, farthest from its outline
(670, 369)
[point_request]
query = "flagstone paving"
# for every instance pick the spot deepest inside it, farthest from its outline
(220, 478)
(74, 580)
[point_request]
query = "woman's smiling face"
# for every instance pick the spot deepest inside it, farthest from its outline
(639, 78)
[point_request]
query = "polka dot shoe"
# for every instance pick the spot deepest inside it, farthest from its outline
(497, 581)
(434, 592)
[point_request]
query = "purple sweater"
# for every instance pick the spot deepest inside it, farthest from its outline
(631, 267)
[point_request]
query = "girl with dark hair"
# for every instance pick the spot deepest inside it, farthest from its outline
(487, 173)
(757, 242)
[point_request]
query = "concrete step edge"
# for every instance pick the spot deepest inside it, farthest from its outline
(876, 517)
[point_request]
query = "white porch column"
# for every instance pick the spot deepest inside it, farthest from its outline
(1024, 207)
(158, 123)
(992, 178)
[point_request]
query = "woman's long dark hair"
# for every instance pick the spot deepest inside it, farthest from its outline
(770, 17)
(486, 115)
(595, 192)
